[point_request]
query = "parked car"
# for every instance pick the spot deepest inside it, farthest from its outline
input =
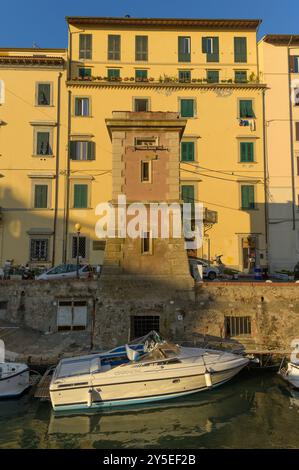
(210, 272)
(66, 271)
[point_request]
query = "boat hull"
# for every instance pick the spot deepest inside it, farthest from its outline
(15, 385)
(140, 391)
(291, 375)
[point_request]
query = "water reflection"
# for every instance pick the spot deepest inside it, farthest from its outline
(250, 412)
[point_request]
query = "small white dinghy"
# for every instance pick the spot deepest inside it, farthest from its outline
(14, 379)
(291, 374)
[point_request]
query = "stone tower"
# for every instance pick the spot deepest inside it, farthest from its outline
(146, 168)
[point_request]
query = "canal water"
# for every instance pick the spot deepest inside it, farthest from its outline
(255, 410)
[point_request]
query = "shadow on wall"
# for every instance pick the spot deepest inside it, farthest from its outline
(22, 223)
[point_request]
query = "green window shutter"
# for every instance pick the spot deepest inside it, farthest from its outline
(77, 107)
(41, 196)
(187, 108)
(44, 94)
(141, 74)
(213, 76)
(187, 151)
(80, 196)
(240, 76)
(114, 47)
(113, 73)
(141, 48)
(297, 131)
(73, 150)
(84, 72)
(184, 49)
(188, 193)
(85, 46)
(246, 152)
(214, 55)
(90, 151)
(246, 109)
(240, 49)
(185, 75)
(43, 143)
(247, 193)
(204, 45)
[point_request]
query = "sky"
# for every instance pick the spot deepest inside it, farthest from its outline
(24, 23)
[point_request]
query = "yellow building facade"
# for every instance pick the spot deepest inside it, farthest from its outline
(279, 65)
(207, 71)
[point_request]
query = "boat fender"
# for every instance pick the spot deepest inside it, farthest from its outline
(89, 398)
(208, 378)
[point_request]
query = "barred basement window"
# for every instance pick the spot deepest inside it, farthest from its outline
(141, 325)
(237, 326)
(39, 249)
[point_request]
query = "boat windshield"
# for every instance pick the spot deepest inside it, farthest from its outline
(163, 350)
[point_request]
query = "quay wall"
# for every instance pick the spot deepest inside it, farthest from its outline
(184, 314)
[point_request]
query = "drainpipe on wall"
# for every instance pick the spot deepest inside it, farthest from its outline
(57, 166)
(67, 182)
(266, 176)
(291, 138)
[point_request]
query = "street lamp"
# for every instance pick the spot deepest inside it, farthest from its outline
(78, 229)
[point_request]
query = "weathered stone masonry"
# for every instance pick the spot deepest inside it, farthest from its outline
(273, 308)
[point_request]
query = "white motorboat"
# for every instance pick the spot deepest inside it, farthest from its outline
(291, 374)
(147, 371)
(14, 379)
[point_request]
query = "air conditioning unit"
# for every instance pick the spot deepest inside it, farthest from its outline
(210, 217)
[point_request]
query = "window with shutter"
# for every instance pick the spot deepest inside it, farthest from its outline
(80, 196)
(113, 74)
(43, 146)
(82, 150)
(213, 76)
(297, 131)
(82, 107)
(141, 105)
(113, 47)
(247, 196)
(185, 76)
(141, 48)
(246, 152)
(85, 46)
(140, 74)
(188, 193)
(184, 49)
(84, 72)
(240, 49)
(240, 76)
(41, 196)
(2, 92)
(187, 151)
(210, 46)
(43, 94)
(294, 64)
(187, 107)
(246, 109)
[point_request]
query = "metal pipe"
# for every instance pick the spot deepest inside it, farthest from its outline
(291, 138)
(67, 183)
(57, 166)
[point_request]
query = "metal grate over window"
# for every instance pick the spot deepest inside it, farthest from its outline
(82, 247)
(39, 249)
(141, 325)
(237, 326)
